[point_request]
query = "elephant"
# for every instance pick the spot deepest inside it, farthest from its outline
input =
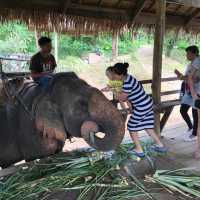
(38, 125)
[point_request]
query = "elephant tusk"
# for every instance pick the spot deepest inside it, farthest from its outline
(100, 135)
(92, 134)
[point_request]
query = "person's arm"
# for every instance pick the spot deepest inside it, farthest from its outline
(129, 105)
(191, 82)
(35, 66)
(195, 67)
(179, 75)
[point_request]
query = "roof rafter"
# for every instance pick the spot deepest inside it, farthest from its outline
(178, 8)
(118, 3)
(138, 8)
(97, 9)
(99, 2)
(192, 16)
(87, 15)
(151, 5)
(66, 5)
(145, 17)
(191, 3)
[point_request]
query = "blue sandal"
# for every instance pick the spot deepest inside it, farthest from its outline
(135, 153)
(159, 149)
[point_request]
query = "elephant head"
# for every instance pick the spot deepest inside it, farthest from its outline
(74, 108)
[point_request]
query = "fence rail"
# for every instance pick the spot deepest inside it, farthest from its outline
(21, 58)
(164, 80)
(170, 92)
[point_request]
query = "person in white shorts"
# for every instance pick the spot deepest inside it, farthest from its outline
(194, 84)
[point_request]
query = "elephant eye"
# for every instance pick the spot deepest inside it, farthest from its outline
(82, 104)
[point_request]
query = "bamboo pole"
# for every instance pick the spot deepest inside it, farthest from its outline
(157, 58)
(56, 46)
(37, 36)
(115, 45)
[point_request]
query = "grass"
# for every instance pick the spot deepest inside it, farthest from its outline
(91, 173)
(182, 181)
(83, 172)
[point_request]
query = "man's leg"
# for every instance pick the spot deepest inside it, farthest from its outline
(184, 113)
(45, 81)
(195, 121)
(197, 154)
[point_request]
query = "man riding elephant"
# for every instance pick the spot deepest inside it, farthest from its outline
(43, 63)
(68, 108)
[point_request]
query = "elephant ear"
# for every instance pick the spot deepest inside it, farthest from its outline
(49, 121)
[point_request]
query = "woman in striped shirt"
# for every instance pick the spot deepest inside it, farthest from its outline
(142, 117)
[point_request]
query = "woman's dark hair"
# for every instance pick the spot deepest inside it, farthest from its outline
(44, 40)
(193, 49)
(121, 68)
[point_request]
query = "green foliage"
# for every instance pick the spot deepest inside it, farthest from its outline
(72, 63)
(16, 38)
(179, 55)
(104, 44)
(75, 46)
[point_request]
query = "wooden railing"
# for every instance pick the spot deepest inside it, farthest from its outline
(145, 82)
(17, 74)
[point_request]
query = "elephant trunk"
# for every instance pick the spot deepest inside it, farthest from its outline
(106, 129)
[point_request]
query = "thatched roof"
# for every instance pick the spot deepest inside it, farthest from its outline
(99, 15)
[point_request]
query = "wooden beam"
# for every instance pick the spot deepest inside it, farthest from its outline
(151, 5)
(157, 57)
(123, 15)
(66, 5)
(56, 45)
(99, 2)
(145, 18)
(114, 45)
(178, 8)
(37, 36)
(163, 80)
(138, 8)
(194, 14)
(190, 3)
(118, 3)
(165, 117)
(100, 10)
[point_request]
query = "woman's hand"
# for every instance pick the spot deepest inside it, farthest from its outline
(191, 84)
(121, 96)
(106, 89)
(195, 96)
(179, 74)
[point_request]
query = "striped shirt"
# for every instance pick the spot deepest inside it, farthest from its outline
(141, 101)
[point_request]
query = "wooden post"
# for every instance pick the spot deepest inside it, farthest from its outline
(114, 45)
(157, 58)
(56, 45)
(37, 36)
